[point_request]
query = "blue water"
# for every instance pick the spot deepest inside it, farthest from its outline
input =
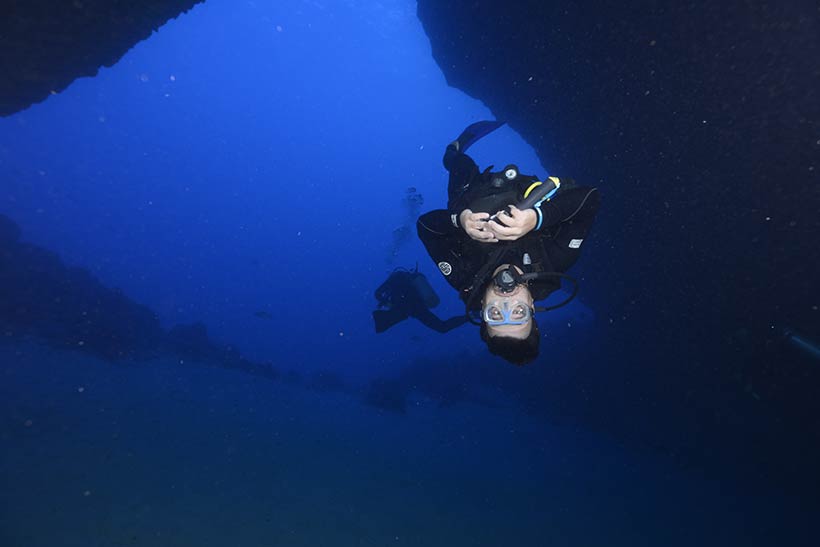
(223, 158)
(176, 455)
(253, 156)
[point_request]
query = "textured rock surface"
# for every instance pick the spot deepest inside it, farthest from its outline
(700, 123)
(45, 45)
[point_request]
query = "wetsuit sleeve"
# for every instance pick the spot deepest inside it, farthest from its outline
(463, 173)
(579, 204)
(445, 244)
(436, 225)
(570, 219)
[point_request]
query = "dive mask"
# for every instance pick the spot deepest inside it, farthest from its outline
(504, 311)
(507, 313)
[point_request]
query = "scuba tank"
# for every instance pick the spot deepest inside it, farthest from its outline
(401, 281)
(424, 290)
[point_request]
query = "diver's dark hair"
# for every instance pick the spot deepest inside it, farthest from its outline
(517, 351)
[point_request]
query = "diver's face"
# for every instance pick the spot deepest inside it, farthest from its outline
(514, 309)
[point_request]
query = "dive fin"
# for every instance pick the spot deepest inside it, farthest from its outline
(474, 132)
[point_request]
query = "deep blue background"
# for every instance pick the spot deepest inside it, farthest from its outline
(252, 157)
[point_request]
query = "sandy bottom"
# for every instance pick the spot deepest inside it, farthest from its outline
(159, 453)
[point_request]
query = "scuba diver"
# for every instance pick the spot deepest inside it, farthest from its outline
(504, 242)
(407, 293)
(411, 204)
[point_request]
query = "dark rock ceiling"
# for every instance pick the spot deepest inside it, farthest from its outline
(46, 45)
(700, 123)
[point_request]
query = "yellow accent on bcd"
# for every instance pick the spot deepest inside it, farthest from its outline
(532, 187)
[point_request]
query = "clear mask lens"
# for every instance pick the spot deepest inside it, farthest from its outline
(507, 313)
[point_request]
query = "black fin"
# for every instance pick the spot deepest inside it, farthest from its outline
(474, 132)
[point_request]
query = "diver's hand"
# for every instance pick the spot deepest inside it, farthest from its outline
(510, 226)
(475, 224)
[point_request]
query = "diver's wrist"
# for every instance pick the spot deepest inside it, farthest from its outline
(531, 220)
(540, 216)
(462, 217)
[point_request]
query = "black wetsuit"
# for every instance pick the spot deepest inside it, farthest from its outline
(555, 247)
(402, 299)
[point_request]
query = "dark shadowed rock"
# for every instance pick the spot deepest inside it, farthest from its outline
(700, 123)
(328, 380)
(47, 44)
(191, 342)
(388, 394)
(67, 306)
(9, 232)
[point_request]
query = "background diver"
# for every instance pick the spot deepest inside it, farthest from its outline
(502, 258)
(411, 205)
(407, 293)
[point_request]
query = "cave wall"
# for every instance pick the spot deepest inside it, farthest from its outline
(46, 45)
(697, 121)
(700, 124)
